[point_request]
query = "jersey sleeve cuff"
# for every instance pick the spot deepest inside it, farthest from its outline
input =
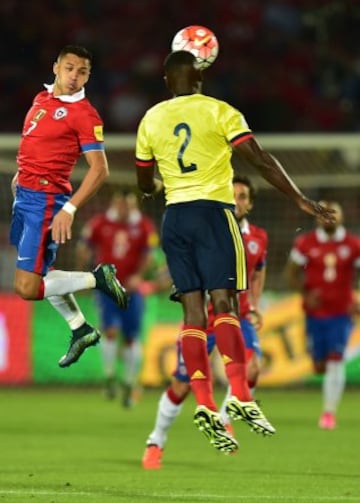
(92, 146)
(144, 164)
(241, 138)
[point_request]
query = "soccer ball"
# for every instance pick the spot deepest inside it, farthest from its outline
(198, 40)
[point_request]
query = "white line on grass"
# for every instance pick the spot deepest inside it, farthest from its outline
(246, 497)
(185, 497)
(21, 492)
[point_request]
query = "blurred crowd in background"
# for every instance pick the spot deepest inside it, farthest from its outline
(288, 65)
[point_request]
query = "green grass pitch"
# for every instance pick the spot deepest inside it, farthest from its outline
(70, 445)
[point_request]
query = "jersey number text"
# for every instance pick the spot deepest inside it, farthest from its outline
(185, 127)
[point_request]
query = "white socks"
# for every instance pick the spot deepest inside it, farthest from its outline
(63, 282)
(109, 351)
(69, 309)
(132, 357)
(333, 385)
(166, 414)
(222, 410)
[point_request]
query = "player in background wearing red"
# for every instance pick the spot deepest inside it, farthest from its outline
(251, 320)
(322, 267)
(60, 126)
(125, 237)
(170, 403)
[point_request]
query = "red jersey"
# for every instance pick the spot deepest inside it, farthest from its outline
(121, 243)
(329, 265)
(56, 132)
(256, 242)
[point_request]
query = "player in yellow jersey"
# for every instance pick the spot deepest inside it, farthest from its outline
(190, 137)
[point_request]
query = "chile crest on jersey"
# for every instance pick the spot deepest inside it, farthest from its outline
(60, 113)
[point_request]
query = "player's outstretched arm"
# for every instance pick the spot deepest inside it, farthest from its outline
(94, 178)
(273, 172)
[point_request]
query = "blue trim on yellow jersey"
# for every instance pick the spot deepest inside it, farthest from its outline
(92, 146)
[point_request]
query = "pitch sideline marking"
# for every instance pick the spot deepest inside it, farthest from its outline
(176, 496)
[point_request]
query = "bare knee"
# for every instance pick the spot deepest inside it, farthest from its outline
(196, 318)
(253, 374)
(224, 301)
(25, 291)
(27, 285)
(194, 309)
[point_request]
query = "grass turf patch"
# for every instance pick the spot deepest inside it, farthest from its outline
(70, 445)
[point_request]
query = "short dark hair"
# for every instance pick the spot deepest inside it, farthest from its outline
(178, 58)
(244, 180)
(78, 50)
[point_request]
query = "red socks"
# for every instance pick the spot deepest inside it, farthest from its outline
(230, 343)
(173, 397)
(231, 346)
(194, 351)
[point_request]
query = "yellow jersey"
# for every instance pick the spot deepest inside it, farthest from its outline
(190, 138)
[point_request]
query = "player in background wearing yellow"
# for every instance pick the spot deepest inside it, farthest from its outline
(190, 137)
(171, 400)
(322, 266)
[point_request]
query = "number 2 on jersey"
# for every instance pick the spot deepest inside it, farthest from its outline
(184, 127)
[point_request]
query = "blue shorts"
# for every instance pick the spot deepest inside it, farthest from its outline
(251, 343)
(30, 232)
(328, 335)
(127, 321)
(203, 246)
